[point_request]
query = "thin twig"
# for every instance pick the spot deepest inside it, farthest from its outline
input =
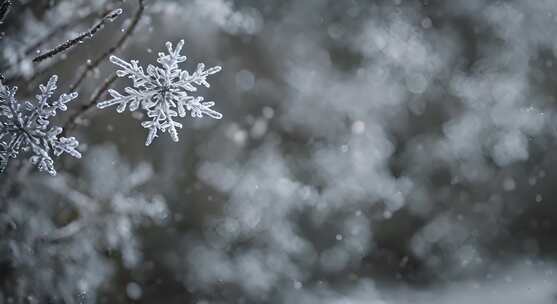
(48, 37)
(72, 122)
(93, 64)
(110, 17)
(5, 9)
(65, 26)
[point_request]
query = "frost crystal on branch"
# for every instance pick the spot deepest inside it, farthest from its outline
(163, 92)
(25, 127)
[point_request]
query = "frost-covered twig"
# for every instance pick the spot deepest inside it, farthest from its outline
(61, 28)
(110, 17)
(95, 63)
(5, 6)
(49, 36)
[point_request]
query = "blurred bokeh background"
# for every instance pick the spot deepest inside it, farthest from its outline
(396, 151)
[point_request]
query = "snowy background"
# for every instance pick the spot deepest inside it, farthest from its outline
(383, 152)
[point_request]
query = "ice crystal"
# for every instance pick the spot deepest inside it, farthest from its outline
(25, 127)
(163, 92)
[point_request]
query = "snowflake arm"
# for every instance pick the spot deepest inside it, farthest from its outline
(25, 127)
(199, 108)
(163, 92)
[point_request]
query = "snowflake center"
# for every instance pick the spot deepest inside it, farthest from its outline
(164, 90)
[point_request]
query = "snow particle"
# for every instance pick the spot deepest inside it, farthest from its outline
(245, 80)
(509, 184)
(358, 127)
(416, 83)
(134, 291)
(426, 23)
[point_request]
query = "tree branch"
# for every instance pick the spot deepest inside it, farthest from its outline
(72, 122)
(110, 17)
(5, 6)
(95, 63)
(109, 7)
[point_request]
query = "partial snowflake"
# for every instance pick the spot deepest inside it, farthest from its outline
(25, 127)
(163, 92)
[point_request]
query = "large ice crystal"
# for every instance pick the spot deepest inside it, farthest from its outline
(163, 92)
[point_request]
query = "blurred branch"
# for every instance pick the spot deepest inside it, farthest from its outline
(83, 203)
(65, 232)
(95, 63)
(23, 168)
(72, 122)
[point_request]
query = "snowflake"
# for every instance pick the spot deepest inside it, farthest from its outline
(163, 93)
(25, 127)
